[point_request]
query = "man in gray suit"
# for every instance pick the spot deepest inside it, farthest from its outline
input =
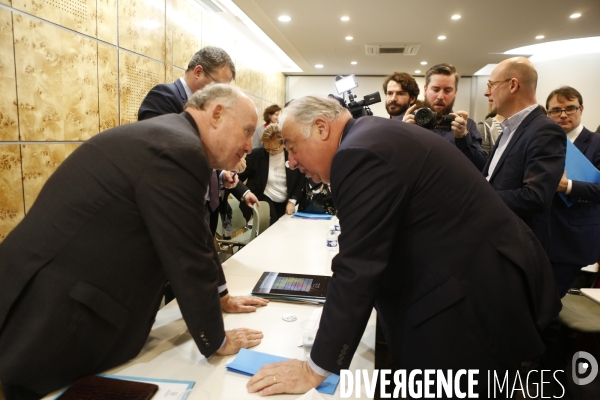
(82, 274)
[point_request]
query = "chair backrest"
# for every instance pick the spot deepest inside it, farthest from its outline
(261, 218)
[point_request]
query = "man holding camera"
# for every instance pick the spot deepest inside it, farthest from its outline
(441, 86)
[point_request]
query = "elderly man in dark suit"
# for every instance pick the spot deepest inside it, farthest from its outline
(575, 233)
(528, 159)
(457, 279)
(83, 273)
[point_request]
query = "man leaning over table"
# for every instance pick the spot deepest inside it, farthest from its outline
(83, 273)
(457, 279)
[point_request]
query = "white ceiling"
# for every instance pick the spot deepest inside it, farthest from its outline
(315, 35)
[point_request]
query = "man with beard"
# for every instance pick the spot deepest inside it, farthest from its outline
(401, 91)
(441, 86)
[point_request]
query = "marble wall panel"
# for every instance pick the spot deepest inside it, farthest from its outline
(6, 2)
(78, 15)
(176, 73)
(282, 89)
(271, 87)
(39, 162)
(9, 128)
(186, 28)
(207, 33)
(142, 27)
(57, 79)
(12, 210)
(107, 20)
(108, 86)
(137, 75)
(256, 83)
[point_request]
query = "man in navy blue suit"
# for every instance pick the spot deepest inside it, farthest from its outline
(575, 230)
(528, 159)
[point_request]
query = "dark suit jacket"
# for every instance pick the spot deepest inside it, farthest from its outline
(257, 173)
(83, 273)
(457, 279)
(575, 230)
(166, 98)
(528, 173)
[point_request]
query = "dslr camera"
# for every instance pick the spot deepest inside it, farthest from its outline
(427, 118)
(357, 108)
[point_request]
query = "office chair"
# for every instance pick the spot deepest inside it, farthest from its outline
(260, 222)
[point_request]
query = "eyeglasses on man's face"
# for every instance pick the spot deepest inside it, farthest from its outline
(209, 75)
(556, 112)
(272, 149)
(492, 84)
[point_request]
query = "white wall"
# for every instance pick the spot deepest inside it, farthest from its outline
(298, 86)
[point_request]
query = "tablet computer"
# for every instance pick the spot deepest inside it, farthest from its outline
(292, 285)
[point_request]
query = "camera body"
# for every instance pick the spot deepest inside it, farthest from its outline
(427, 118)
(357, 108)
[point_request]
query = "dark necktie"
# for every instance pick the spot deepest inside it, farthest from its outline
(214, 191)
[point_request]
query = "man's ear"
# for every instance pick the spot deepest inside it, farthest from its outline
(198, 71)
(323, 127)
(216, 115)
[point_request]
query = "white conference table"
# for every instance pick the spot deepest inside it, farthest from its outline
(290, 245)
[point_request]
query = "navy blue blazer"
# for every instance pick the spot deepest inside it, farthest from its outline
(257, 173)
(575, 234)
(528, 173)
(166, 98)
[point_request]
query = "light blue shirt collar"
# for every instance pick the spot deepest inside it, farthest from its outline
(187, 89)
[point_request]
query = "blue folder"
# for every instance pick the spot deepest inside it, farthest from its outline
(578, 168)
(304, 215)
(248, 362)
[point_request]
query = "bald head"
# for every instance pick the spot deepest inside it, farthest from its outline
(522, 69)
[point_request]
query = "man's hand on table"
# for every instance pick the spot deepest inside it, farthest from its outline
(240, 338)
(241, 304)
(291, 376)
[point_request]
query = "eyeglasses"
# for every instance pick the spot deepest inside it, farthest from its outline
(275, 149)
(491, 84)
(556, 112)
(209, 75)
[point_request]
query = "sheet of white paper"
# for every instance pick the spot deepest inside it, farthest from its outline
(312, 394)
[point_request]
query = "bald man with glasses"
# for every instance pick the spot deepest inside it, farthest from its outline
(528, 159)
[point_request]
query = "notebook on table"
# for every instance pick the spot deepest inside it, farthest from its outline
(285, 286)
(593, 294)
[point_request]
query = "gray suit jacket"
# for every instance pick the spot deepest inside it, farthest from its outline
(82, 275)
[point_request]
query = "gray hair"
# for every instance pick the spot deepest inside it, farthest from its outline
(305, 110)
(211, 59)
(227, 94)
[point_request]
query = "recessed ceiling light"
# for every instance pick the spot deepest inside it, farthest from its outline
(344, 18)
(418, 71)
(576, 15)
(540, 36)
(284, 18)
(442, 37)
(423, 62)
(353, 63)
(319, 66)
(456, 16)
(349, 38)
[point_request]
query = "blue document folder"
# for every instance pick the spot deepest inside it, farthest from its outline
(578, 168)
(248, 362)
(304, 215)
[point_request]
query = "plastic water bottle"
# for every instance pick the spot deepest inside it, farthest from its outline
(332, 239)
(336, 223)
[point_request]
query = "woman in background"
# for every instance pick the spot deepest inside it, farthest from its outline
(270, 116)
(268, 178)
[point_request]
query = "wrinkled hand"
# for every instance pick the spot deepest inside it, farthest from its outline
(241, 304)
(230, 179)
(250, 199)
(563, 184)
(408, 116)
(240, 338)
(459, 125)
(241, 166)
(290, 376)
(290, 208)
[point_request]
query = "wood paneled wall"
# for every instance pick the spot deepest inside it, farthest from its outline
(70, 69)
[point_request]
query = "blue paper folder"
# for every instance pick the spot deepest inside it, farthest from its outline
(248, 362)
(304, 215)
(578, 168)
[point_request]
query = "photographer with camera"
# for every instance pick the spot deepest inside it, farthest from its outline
(441, 85)
(401, 91)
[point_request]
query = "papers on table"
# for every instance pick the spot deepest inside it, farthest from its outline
(249, 362)
(578, 168)
(303, 215)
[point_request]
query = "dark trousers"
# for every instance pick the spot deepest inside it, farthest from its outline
(277, 210)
